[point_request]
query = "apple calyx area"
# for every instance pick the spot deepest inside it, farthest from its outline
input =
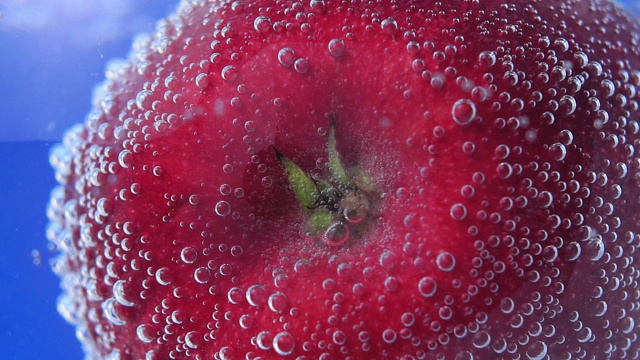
(337, 205)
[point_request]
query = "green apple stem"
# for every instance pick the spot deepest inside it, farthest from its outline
(336, 204)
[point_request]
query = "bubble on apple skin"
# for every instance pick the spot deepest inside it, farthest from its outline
(110, 311)
(283, 343)
(458, 212)
(256, 295)
(336, 234)
(463, 111)
(286, 56)
(222, 208)
(427, 286)
(337, 47)
(446, 261)
(262, 24)
(144, 334)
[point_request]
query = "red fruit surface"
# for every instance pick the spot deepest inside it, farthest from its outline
(502, 139)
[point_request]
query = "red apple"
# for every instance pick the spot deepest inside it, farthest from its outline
(359, 180)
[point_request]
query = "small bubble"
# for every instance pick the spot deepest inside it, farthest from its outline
(336, 234)
(188, 255)
(227, 353)
(246, 321)
(278, 302)
(427, 286)
(317, 6)
(235, 295)
(463, 111)
(202, 275)
(391, 284)
(536, 351)
(481, 339)
(468, 147)
(573, 251)
(256, 295)
(389, 25)
(301, 66)
(202, 81)
(163, 276)
(111, 312)
(119, 293)
(487, 59)
(229, 73)
(194, 199)
(458, 212)
(144, 334)
(283, 343)
(125, 158)
(594, 248)
(223, 208)
(264, 340)
(446, 261)
(389, 336)
(286, 56)
(262, 24)
(226, 269)
(507, 305)
(337, 47)
(408, 319)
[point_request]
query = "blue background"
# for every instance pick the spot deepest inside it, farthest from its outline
(52, 55)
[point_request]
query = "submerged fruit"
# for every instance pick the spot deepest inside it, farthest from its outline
(479, 166)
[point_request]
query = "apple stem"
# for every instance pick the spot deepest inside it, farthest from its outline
(332, 205)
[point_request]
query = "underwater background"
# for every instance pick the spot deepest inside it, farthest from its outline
(52, 54)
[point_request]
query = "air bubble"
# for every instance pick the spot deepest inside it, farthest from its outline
(427, 286)
(408, 319)
(265, 340)
(202, 275)
(163, 276)
(537, 351)
(336, 234)
(119, 293)
(194, 199)
(278, 302)
(389, 336)
(125, 158)
(235, 295)
(283, 343)
(144, 334)
(227, 353)
(229, 73)
(262, 24)
(463, 111)
(487, 59)
(286, 56)
(301, 66)
(192, 340)
(481, 339)
(337, 47)
(458, 212)
(110, 312)
(256, 295)
(446, 261)
(389, 25)
(594, 248)
(339, 337)
(202, 81)
(223, 208)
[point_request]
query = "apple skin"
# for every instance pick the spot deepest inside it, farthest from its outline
(502, 139)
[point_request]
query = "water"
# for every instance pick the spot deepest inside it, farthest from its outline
(46, 85)
(49, 68)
